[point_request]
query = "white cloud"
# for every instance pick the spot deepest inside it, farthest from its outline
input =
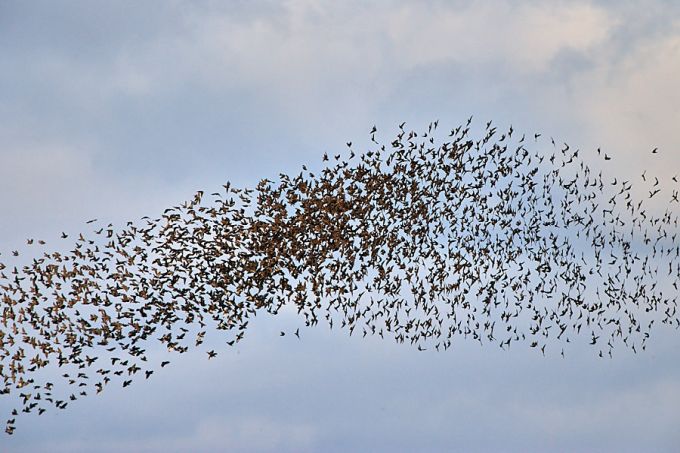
(628, 102)
(332, 49)
(312, 44)
(524, 37)
(635, 100)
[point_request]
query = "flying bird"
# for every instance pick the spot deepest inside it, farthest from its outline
(424, 242)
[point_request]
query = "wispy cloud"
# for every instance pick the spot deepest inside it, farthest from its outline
(120, 109)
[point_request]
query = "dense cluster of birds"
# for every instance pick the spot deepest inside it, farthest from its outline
(429, 238)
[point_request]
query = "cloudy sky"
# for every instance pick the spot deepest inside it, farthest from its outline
(116, 110)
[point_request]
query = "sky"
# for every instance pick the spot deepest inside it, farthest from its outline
(115, 110)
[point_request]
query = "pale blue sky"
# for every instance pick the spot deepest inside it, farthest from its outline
(116, 110)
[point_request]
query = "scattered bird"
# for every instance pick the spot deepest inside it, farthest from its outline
(491, 241)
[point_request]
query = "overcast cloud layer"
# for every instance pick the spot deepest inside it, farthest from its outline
(116, 110)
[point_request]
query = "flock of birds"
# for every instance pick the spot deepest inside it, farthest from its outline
(427, 239)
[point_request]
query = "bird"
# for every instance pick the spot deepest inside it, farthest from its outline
(423, 242)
